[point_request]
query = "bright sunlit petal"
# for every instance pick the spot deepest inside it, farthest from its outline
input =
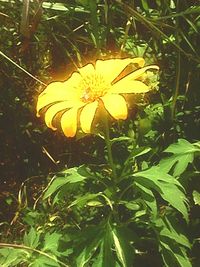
(56, 91)
(138, 73)
(87, 70)
(116, 106)
(126, 86)
(87, 116)
(111, 68)
(72, 81)
(54, 109)
(69, 122)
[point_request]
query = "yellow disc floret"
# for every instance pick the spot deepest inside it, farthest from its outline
(93, 87)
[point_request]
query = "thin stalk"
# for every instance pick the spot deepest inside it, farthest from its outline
(19, 67)
(109, 149)
(178, 70)
(115, 213)
(33, 250)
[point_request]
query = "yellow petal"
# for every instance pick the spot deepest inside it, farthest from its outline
(59, 91)
(111, 68)
(115, 105)
(73, 80)
(87, 116)
(69, 121)
(54, 109)
(138, 73)
(86, 70)
(126, 86)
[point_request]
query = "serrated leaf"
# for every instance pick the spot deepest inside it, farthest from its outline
(183, 154)
(32, 238)
(176, 198)
(181, 147)
(149, 198)
(180, 163)
(72, 175)
(12, 257)
(166, 185)
(42, 261)
(51, 242)
(156, 174)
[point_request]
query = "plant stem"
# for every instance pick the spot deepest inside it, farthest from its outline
(16, 246)
(109, 150)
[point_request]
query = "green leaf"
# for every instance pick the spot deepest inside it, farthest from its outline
(166, 185)
(81, 201)
(135, 152)
(120, 139)
(122, 237)
(108, 258)
(88, 242)
(167, 230)
(145, 5)
(12, 257)
(73, 175)
(183, 154)
(42, 261)
(51, 242)
(107, 200)
(55, 6)
(149, 198)
(172, 243)
(131, 205)
(182, 146)
(32, 238)
(119, 249)
(62, 7)
(139, 151)
(196, 197)
(177, 253)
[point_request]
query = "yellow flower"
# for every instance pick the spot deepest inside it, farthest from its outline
(78, 98)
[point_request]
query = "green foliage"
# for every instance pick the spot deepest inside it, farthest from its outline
(183, 154)
(37, 250)
(69, 176)
(166, 185)
(11, 256)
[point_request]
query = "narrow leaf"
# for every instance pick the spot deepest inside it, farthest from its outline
(73, 175)
(166, 185)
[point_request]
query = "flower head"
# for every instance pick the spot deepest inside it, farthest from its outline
(90, 88)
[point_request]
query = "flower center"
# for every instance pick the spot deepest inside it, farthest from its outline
(93, 87)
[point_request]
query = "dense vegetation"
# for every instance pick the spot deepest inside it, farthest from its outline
(60, 205)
